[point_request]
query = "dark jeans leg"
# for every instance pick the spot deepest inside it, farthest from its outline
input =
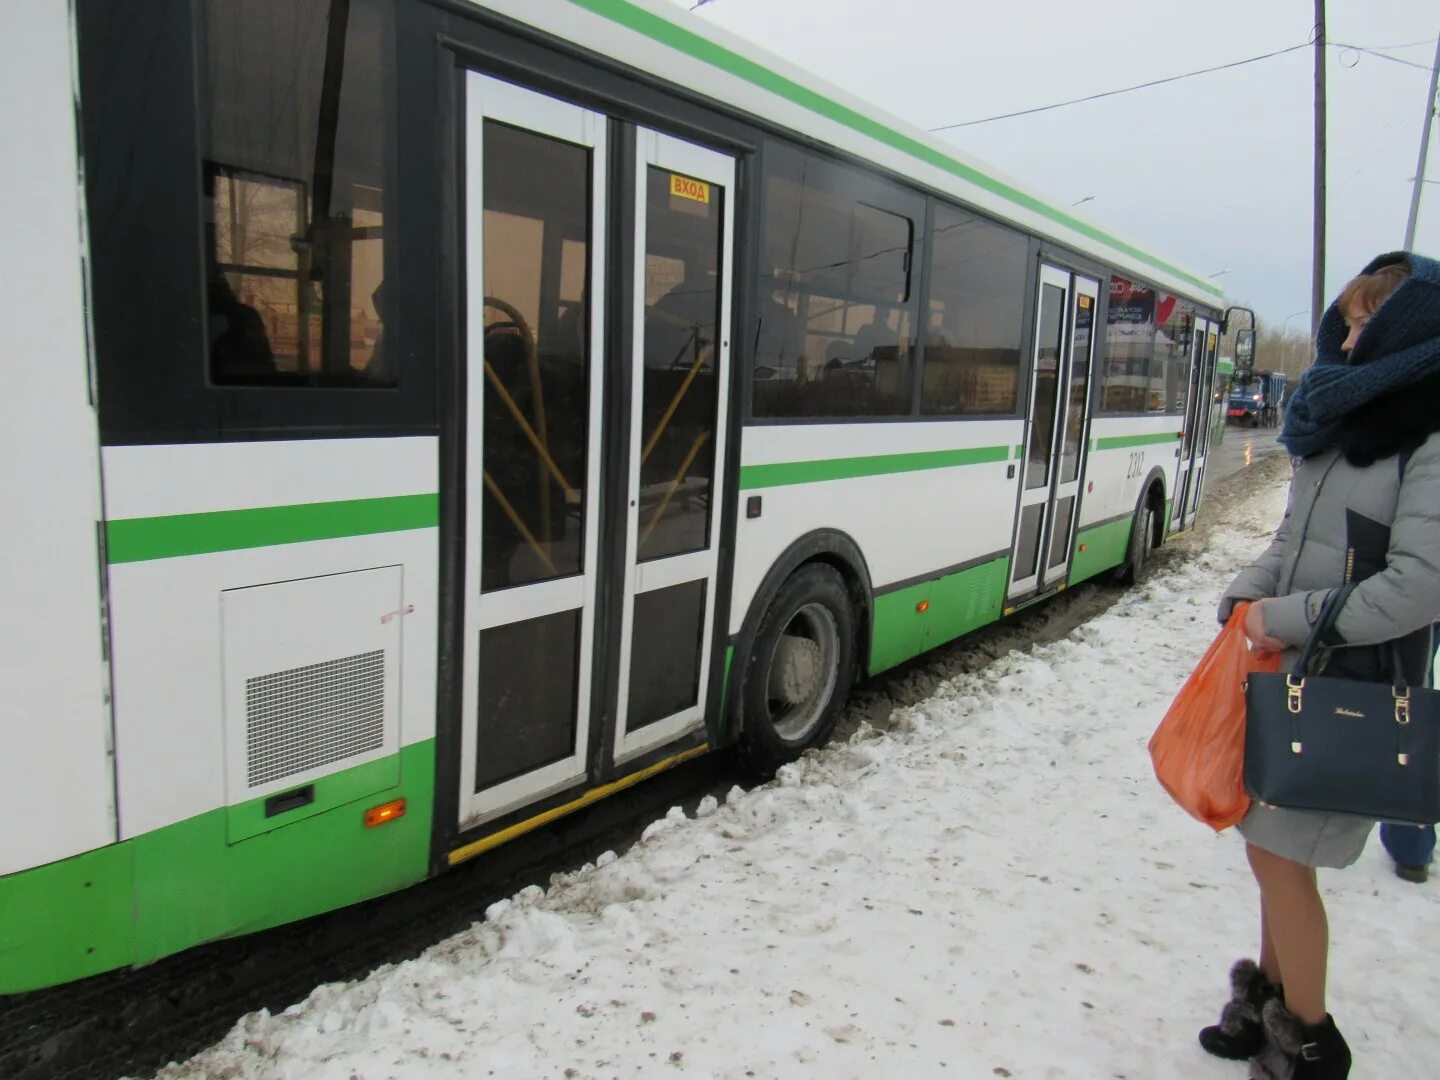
(1409, 845)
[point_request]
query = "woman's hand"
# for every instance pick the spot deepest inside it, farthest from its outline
(1255, 629)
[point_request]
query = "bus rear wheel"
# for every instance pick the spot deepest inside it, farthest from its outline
(796, 672)
(1142, 542)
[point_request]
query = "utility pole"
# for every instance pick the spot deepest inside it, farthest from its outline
(1317, 273)
(1424, 146)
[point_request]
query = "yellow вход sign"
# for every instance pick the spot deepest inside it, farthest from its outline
(686, 188)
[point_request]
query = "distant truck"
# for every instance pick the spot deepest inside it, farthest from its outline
(1257, 396)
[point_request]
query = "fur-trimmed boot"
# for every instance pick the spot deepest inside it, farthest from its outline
(1293, 1051)
(1241, 1031)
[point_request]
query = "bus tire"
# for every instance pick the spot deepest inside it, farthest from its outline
(795, 673)
(1142, 542)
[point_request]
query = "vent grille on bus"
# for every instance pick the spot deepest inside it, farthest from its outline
(314, 715)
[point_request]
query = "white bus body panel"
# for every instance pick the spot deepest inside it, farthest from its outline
(167, 614)
(55, 768)
(907, 524)
(1113, 475)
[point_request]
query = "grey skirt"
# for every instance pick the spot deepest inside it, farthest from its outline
(1306, 836)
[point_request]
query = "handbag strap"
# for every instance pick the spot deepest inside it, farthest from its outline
(1323, 625)
(1329, 613)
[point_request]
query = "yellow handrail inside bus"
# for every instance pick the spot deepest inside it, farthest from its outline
(674, 485)
(517, 521)
(539, 439)
(529, 432)
(701, 355)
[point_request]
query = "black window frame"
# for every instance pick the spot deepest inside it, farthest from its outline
(142, 138)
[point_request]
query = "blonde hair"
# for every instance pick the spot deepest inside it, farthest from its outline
(1371, 290)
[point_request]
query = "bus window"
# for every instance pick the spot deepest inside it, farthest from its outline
(973, 327)
(1170, 366)
(835, 315)
(1129, 342)
(292, 134)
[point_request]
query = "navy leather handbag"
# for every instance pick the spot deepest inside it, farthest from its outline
(1343, 746)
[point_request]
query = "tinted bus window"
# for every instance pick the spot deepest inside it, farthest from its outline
(293, 135)
(973, 325)
(833, 332)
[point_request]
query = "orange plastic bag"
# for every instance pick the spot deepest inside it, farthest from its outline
(1199, 748)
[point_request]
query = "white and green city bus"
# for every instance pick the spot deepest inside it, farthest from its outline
(425, 417)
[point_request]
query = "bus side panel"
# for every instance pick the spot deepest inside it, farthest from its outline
(191, 528)
(1123, 452)
(164, 891)
(192, 886)
(927, 503)
(67, 920)
(54, 761)
(275, 633)
(921, 617)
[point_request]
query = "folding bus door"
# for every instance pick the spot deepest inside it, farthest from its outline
(1074, 427)
(534, 189)
(1055, 431)
(1197, 404)
(1198, 428)
(560, 416)
(680, 367)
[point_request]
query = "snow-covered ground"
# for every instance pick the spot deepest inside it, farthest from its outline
(993, 886)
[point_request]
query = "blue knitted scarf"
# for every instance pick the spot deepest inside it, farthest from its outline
(1400, 345)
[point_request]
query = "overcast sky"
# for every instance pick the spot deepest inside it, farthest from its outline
(1213, 172)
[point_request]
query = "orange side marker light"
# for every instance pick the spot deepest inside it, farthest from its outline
(923, 606)
(379, 815)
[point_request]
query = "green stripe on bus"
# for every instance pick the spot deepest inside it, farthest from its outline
(142, 539)
(813, 472)
(660, 29)
(1120, 442)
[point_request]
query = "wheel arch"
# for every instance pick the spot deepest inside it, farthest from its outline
(1153, 492)
(833, 548)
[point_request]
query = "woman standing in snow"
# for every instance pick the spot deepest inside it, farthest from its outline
(1364, 506)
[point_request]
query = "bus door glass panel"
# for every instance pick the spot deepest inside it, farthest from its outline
(1207, 336)
(1070, 465)
(1173, 368)
(534, 193)
(684, 224)
(1043, 418)
(1193, 420)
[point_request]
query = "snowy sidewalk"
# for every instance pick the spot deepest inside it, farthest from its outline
(994, 887)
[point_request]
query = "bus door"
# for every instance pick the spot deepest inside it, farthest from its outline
(1205, 427)
(680, 365)
(1195, 439)
(591, 467)
(1056, 431)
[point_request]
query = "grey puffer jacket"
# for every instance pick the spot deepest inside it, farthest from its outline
(1367, 524)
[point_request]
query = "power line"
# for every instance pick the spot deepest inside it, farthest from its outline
(1127, 89)
(1402, 45)
(1383, 56)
